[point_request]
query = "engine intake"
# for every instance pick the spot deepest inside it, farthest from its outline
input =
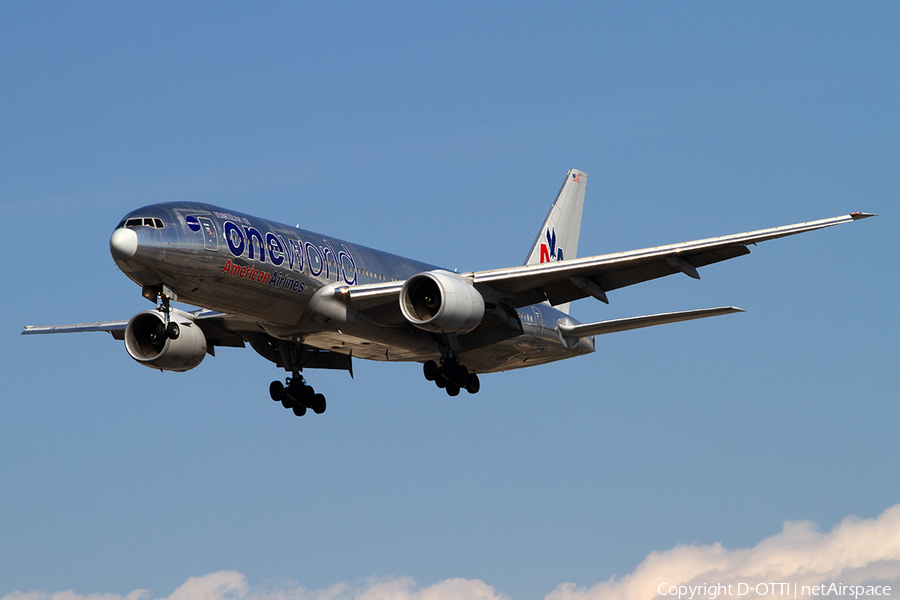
(147, 342)
(441, 302)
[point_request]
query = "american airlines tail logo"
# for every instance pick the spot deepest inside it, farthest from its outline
(549, 251)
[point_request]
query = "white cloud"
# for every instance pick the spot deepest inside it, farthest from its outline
(70, 595)
(230, 585)
(857, 552)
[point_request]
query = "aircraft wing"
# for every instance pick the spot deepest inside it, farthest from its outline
(116, 328)
(567, 280)
(220, 329)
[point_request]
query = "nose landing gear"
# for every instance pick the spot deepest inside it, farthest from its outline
(297, 395)
(167, 328)
(451, 376)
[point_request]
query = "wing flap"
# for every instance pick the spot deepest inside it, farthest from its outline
(222, 329)
(613, 279)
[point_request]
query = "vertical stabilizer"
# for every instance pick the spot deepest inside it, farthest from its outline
(558, 237)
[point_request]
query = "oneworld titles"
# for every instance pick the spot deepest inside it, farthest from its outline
(777, 589)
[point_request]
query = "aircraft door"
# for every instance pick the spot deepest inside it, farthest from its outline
(539, 322)
(210, 239)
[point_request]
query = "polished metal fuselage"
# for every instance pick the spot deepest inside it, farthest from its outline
(269, 273)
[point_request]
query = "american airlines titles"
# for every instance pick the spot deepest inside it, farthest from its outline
(294, 254)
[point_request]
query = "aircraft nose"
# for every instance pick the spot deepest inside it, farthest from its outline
(123, 243)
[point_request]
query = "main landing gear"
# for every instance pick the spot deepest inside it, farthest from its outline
(451, 376)
(297, 396)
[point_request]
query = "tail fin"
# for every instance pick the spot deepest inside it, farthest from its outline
(558, 237)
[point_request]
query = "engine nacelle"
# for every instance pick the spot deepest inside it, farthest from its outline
(147, 343)
(442, 302)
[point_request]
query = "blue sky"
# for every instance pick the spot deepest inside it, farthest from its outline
(443, 133)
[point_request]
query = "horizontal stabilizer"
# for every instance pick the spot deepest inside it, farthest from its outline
(614, 325)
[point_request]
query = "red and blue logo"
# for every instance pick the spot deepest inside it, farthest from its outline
(549, 251)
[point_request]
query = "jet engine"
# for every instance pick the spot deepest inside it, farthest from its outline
(441, 302)
(179, 347)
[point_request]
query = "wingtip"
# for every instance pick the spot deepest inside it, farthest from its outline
(861, 215)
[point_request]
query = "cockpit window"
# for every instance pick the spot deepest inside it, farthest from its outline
(144, 222)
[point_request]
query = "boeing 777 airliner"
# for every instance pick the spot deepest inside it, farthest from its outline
(309, 301)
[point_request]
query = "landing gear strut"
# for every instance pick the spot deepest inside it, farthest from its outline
(451, 376)
(167, 328)
(297, 395)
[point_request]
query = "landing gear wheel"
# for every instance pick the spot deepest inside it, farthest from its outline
(173, 330)
(297, 396)
(299, 390)
(158, 335)
(276, 390)
(451, 376)
(307, 394)
(431, 370)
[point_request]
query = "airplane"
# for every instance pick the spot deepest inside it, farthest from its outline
(304, 300)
